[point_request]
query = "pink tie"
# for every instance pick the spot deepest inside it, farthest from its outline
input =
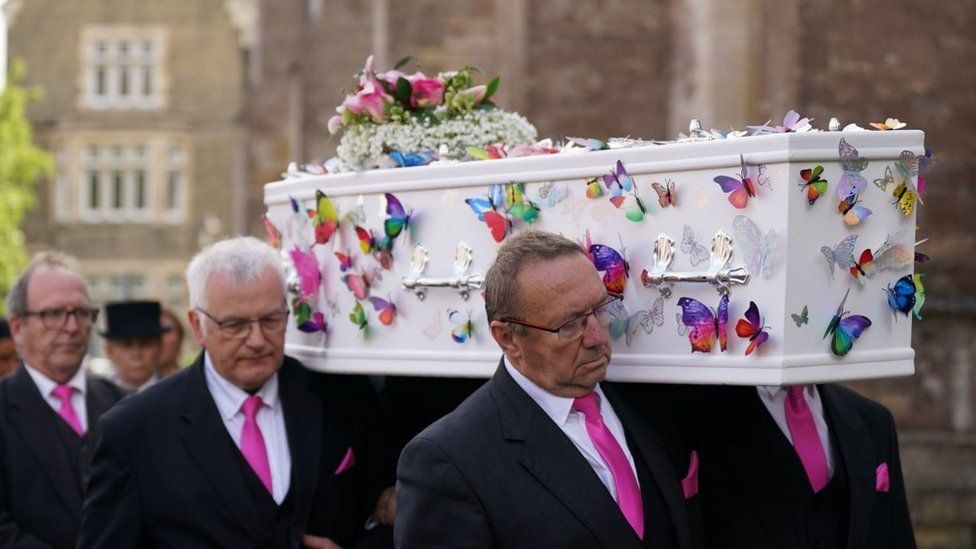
(252, 442)
(805, 439)
(67, 410)
(628, 492)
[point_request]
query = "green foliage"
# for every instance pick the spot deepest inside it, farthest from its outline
(21, 164)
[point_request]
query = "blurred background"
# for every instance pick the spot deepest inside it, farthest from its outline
(159, 121)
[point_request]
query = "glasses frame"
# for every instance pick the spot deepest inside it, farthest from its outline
(87, 320)
(611, 299)
(222, 324)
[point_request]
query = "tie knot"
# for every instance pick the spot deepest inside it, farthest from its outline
(589, 404)
(251, 406)
(63, 392)
(795, 392)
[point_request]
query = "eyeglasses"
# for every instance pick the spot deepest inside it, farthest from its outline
(572, 330)
(240, 328)
(56, 318)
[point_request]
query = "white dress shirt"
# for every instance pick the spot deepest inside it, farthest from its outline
(774, 398)
(45, 385)
(573, 423)
(270, 417)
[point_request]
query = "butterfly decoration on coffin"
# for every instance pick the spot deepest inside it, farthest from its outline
(646, 319)
(924, 164)
(813, 184)
(901, 296)
(385, 308)
(359, 318)
(397, 218)
(307, 319)
(841, 255)
(843, 330)
(853, 214)
(408, 160)
(802, 318)
(552, 194)
(345, 260)
(851, 181)
(585, 244)
(616, 269)
(905, 192)
(759, 249)
(359, 283)
(463, 328)
(682, 329)
(381, 249)
(666, 194)
(589, 144)
(919, 295)
(706, 324)
(272, 234)
(624, 194)
(518, 205)
(593, 188)
(491, 211)
(309, 274)
(697, 252)
(862, 266)
(325, 219)
(893, 254)
(883, 182)
(752, 328)
(739, 190)
(792, 122)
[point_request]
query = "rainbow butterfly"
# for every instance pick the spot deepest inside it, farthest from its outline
(813, 184)
(851, 181)
(845, 330)
(488, 210)
(620, 183)
(382, 250)
(463, 329)
(859, 268)
(307, 267)
(324, 218)
(752, 327)
(272, 232)
(306, 319)
(615, 267)
(385, 308)
(666, 193)
(705, 323)
(359, 318)
(517, 205)
(901, 297)
(397, 219)
(593, 188)
(741, 189)
(853, 214)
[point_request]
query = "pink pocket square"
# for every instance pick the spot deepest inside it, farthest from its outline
(347, 462)
(689, 484)
(881, 478)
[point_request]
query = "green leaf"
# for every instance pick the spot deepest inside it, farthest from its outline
(492, 88)
(402, 61)
(403, 90)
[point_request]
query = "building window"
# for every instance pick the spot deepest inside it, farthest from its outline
(122, 67)
(123, 287)
(117, 184)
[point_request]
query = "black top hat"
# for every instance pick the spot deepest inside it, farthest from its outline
(132, 319)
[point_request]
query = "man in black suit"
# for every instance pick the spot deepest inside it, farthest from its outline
(544, 454)
(245, 448)
(48, 407)
(812, 466)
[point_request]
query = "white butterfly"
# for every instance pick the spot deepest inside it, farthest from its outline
(682, 329)
(842, 254)
(551, 193)
(759, 250)
(646, 319)
(689, 244)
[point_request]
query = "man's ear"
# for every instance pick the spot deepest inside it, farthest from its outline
(195, 324)
(505, 337)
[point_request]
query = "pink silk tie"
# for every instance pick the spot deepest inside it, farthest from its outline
(67, 410)
(252, 442)
(805, 439)
(628, 492)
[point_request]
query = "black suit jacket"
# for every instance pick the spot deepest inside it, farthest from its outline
(497, 472)
(752, 498)
(40, 479)
(164, 473)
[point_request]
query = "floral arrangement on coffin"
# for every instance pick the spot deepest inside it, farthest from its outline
(413, 116)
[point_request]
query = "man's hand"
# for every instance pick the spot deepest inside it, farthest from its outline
(315, 542)
(385, 512)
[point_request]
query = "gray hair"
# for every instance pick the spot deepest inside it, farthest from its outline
(244, 258)
(51, 259)
(501, 285)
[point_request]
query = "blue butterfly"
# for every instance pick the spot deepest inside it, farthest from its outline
(406, 160)
(901, 297)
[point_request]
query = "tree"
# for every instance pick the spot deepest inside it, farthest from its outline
(21, 164)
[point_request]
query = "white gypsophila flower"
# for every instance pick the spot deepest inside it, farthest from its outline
(364, 145)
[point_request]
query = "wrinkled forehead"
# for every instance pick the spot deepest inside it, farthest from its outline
(53, 286)
(556, 287)
(228, 292)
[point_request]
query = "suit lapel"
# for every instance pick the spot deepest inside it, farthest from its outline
(859, 460)
(98, 400)
(651, 449)
(207, 441)
(550, 456)
(37, 424)
(303, 424)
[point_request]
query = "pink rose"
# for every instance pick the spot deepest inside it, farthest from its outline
(371, 99)
(426, 92)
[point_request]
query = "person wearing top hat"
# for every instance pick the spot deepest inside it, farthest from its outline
(133, 342)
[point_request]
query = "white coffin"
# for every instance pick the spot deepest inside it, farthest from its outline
(419, 342)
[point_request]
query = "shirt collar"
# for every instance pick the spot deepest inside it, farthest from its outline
(556, 407)
(774, 391)
(45, 384)
(229, 397)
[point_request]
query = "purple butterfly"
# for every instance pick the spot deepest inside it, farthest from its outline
(705, 324)
(851, 181)
(845, 330)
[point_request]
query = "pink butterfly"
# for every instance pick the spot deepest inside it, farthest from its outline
(705, 323)
(385, 308)
(740, 190)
